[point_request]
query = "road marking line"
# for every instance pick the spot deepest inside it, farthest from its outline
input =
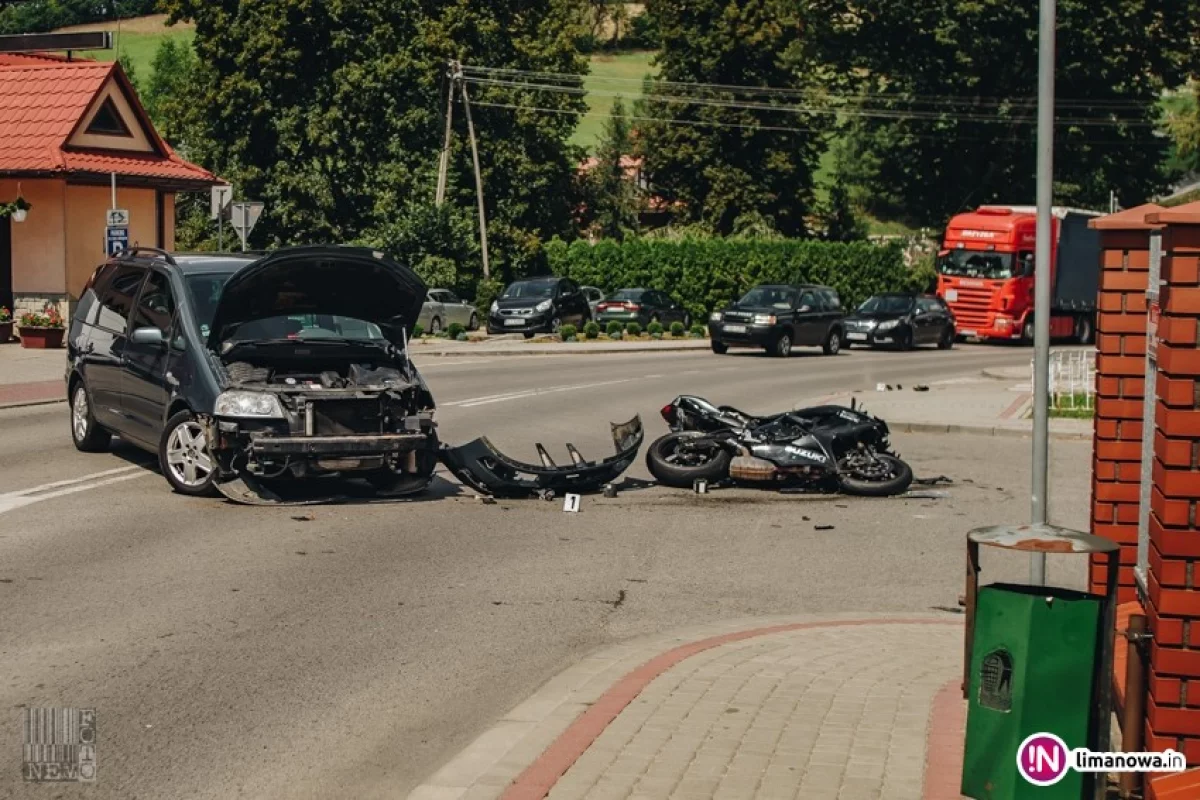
(47, 491)
(471, 402)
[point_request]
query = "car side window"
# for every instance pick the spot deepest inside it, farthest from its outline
(807, 299)
(450, 297)
(832, 301)
(568, 287)
(116, 304)
(925, 306)
(156, 307)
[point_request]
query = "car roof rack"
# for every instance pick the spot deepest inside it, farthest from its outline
(139, 249)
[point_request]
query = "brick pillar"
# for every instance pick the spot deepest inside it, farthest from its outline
(1120, 367)
(1173, 708)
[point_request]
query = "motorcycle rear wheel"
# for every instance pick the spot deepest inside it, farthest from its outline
(671, 467)
(889, 476)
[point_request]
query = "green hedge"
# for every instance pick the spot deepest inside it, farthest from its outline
(705, 274)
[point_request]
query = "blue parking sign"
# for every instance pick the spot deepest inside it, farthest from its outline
(116, 239)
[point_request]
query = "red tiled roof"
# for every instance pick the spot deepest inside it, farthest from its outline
(42, 99)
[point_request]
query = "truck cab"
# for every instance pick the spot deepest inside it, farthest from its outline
(986, 272)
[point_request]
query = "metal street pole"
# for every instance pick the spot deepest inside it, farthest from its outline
(1041, 319)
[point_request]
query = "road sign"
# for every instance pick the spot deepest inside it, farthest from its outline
(243, 217)
(221, 197)
(116, 239)
(117, 218)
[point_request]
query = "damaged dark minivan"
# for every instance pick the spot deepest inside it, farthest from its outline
(242, 373)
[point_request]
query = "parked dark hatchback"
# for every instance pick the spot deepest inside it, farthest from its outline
(642, 306)
(237, 371)
(901, 320)
(776, 318)
(538, 305)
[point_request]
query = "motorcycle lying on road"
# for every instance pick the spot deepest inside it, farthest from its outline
(826, 447)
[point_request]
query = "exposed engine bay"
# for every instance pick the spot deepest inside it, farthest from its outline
(296, 409)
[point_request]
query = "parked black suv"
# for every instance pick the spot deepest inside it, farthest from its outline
(538, 305)
(237, 371)
(776, 318)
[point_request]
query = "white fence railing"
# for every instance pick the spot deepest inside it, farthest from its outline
(1072, 378)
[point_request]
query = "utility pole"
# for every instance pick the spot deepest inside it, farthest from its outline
(1041, 319)
(444, 165)
(478, 174)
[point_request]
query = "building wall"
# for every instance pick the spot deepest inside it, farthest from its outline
(38, 247)
(86, 207)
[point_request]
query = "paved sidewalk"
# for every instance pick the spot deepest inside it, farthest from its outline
(518, 346)
(850, 706)
(997, 402)
(29, 377)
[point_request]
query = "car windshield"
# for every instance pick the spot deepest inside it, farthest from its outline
(627, 294)
(534, 290)
(769, 296)
(205, 291)
(887, 304)
(975, 264)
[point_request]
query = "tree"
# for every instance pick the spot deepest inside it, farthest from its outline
(721, 154)
(166, 92)
(840, 219)
(938, 98)
(331, 111)
(612, 196)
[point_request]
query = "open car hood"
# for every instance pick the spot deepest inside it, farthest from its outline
(352, 282)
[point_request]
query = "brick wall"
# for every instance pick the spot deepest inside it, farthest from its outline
(1120, 370)
(1173, 611)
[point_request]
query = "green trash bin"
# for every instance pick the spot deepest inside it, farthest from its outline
(1038, 660)
(1032, 671)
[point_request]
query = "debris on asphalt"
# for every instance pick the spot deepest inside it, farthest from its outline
(822, 527)
(610, 490)
(925, 494)
(700, 486)
(301, 552)
(932, 481)
(920, 387)
(545, 494)
(840, 505)
(804, 519)
(303, 517)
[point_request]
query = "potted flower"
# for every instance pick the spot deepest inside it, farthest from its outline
(41, 330)
(17, 209)
(6, 325)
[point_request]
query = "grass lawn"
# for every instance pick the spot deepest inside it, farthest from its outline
(137, 38)
(634, 66)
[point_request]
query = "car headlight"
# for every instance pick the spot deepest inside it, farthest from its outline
(495, 306)
(247, 404)
(714, 316)
(764, 319)
(888, 325)
(543, 306)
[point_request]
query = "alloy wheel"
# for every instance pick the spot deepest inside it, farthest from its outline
(79, 414)
(187, 454)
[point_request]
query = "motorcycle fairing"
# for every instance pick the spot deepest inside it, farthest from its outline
(485, 469)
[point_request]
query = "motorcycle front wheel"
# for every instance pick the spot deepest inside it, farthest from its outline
(674, 461)
(874, 475)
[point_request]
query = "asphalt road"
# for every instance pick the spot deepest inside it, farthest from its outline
(349, 650)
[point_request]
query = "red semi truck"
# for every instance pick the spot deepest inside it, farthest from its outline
(986, 270)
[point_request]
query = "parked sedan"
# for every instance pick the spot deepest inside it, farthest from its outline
(443, 308)
(901, 320)
(642, 306)
(538, 305)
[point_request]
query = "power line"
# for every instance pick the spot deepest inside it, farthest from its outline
(980, 101)
(800, 109)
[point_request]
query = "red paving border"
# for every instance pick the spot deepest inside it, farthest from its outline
(944, 743)
(33, 392)
(536, 781)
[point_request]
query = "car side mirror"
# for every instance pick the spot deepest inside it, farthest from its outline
(148, 336)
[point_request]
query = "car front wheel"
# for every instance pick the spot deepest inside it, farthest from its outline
(86, 433)
(782, 348)
(833, 343)
(720, 348)
(184, 457)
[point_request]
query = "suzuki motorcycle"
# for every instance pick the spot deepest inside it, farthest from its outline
(826, 447)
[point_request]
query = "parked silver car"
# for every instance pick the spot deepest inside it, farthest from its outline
(594, 297)
(442, 308)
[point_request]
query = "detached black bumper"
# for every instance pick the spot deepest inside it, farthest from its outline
(485, 469)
